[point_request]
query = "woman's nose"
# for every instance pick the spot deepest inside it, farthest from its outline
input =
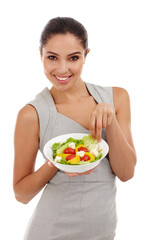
(62, 67)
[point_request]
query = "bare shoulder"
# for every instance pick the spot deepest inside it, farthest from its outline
(120, 97)
(120, 93)
(27, 118)
(28, 113)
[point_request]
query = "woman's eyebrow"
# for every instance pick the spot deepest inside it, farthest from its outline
(74, 53)
(49, 52)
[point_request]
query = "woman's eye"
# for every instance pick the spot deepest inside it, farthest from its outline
(74, 58)
(51, 57)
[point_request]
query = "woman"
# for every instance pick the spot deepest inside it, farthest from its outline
(72, 206)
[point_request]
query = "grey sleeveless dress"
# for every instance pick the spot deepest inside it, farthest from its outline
(73, 208)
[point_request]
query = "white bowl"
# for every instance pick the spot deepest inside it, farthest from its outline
(48, 152)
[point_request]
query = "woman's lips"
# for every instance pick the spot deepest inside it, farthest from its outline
(62, 80)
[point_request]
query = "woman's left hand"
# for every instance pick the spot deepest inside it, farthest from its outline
(84, 173)
(101, 117)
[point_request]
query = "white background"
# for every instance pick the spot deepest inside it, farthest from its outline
(124, 38)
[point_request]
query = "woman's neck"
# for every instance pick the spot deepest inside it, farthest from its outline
(73, 94)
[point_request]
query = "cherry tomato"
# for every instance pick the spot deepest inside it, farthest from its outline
(85, 158)
(83, 149)
(69, 151)
(69, 157)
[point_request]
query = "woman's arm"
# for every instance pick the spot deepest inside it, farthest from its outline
(117, 122)
(26, 181)
(122, 153)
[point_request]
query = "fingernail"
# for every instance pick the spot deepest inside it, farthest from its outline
(50, 164)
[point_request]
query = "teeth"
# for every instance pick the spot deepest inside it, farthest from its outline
(62, 79)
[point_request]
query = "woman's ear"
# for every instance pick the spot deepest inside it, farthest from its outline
(88, 50)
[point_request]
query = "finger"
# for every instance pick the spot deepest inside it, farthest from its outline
(104, 120)
(110, 116)
(89, 171)
(109, 120)
(50, 164)
(71, 174)
(93, 125)
(86, 173)
(94, 167)
(99, 127)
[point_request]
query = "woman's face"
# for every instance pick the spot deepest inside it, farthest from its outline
(63, 57)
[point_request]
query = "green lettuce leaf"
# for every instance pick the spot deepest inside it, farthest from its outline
(61, 149)
(98, 157)
(76, 141)
(55, 147)
(64, 161)
(90, 143)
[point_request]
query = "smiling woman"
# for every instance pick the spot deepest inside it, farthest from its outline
(72, 203)
(63, 57)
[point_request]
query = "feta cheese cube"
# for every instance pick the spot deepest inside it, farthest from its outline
(72, 145)
(80, 153)
(94, 152)
(57, 159)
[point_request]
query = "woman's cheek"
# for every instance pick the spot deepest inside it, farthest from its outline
(48, 67)
(78, 68)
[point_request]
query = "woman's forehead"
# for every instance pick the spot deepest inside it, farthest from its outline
(61, 41)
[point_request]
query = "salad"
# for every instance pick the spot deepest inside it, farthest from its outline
(77, 151)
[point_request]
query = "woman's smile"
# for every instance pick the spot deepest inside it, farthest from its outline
(62, 80)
